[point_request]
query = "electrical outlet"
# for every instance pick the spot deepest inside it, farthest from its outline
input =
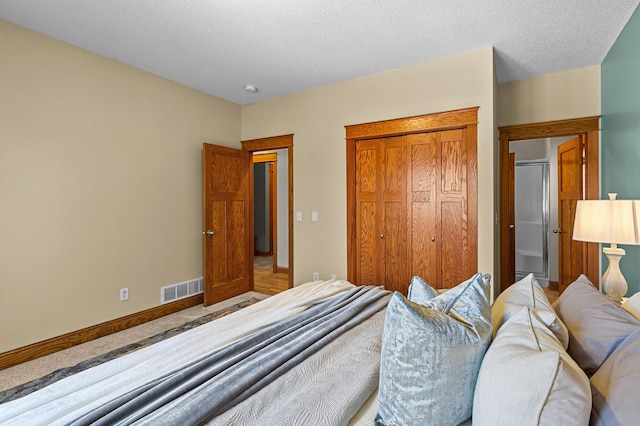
(316, 276)
(124, 294)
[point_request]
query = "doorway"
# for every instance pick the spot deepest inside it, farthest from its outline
(585, 256)
(280, 149)
(265, 209)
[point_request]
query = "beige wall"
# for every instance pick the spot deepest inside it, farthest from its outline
(100, 169)
(559, 96)
(100, 185)
(317, 118)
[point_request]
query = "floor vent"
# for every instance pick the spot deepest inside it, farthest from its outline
(181, 290)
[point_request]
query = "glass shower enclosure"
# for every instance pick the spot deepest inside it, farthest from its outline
(532, 219)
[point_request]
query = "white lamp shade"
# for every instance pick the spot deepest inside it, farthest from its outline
(607, 221)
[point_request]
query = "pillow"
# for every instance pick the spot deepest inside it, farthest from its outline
(527, 292)
(632, 305)
(615, 385)
(420, 291)
(596, 325)
(527, 378)
(431, 355)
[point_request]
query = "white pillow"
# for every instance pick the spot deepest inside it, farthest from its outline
(527, 378)
(632, 305)
(527, 292)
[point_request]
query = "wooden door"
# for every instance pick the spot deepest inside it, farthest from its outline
(226, 223)
(412, 200)
(570, 171)
(509, 268)
(381, 224)
(424, 252)
(457, 263)
(392, 200)
(440, 250)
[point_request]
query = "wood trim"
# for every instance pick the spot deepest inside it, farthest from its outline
(65, 341)
(264, 144)
(550, 129)
(417, 124)
(589, 127)
(282, 270)
(264, 158)
(466, 118)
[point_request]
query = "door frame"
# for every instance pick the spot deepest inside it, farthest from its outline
(456, 119)
(264, 144)
(588, 129)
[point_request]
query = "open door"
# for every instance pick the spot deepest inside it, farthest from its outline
(570, 190)
(510, 239)
(226, 191)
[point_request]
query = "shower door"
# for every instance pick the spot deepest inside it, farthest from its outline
(532, 219)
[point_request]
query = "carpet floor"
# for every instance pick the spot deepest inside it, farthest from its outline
(26, 387)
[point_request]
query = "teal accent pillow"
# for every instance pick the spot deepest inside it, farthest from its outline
(420, 291)
(431, 355)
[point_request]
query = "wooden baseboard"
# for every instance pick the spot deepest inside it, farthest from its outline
(55, 344)
(553, 285)
(262, 253)
(282, 270)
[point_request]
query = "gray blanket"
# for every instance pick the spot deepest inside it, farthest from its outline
(210, 385)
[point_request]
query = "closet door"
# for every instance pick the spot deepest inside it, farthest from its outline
(412, 200)
(393, 200)
(452, 209)
(437, 198)
(424, 230)
(381, 218)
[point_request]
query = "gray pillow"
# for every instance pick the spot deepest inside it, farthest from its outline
(615, 386)
(596, 325)
(420, 291)
(431, 355)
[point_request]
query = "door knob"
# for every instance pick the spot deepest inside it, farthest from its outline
(208, 233)
(512, 226)
(557, 231)
(382, 236)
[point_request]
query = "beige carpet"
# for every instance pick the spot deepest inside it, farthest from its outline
(31, 370)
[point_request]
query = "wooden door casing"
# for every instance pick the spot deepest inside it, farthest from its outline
(588, 129)
(226, 213)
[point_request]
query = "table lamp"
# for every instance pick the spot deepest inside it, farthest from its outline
(609, 221)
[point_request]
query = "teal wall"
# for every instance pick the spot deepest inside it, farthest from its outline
(620, 135)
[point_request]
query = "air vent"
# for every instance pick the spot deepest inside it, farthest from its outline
(181, 290)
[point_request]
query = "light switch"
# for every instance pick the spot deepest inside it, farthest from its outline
(299, 216)
(314, 216)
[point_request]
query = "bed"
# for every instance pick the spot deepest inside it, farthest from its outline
(316, 346)
(331, 353)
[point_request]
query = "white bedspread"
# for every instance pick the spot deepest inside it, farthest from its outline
(328, 388)
(67, 398)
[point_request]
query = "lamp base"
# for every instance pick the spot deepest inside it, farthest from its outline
(613, 282)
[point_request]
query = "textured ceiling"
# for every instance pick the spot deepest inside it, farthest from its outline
(284, 46)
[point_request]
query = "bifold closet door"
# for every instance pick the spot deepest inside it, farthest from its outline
(381, 219)
(438, 207)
